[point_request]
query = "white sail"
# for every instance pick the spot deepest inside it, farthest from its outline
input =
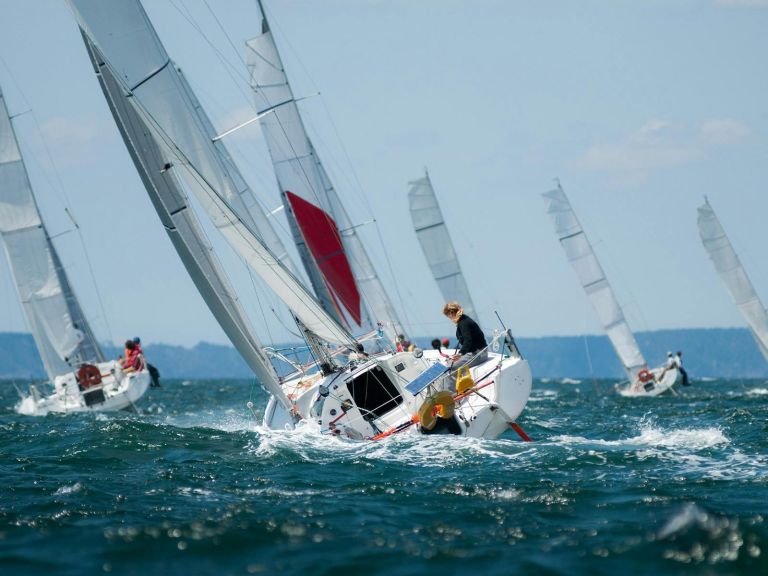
(436, 244)
(323, 231)
(183, 228)
(733, 275)
(124, 37)
(60, 330)
(582, 257)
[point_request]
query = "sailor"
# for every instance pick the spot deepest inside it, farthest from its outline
(669, 365)
(154, 373)
(679, 366)
(132, 362)
(472, 347)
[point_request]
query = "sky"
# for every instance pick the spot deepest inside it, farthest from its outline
(640, 108)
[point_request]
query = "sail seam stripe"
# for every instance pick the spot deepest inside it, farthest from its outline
(595, 283)
(571, 235)
(152, 74)
(457, 273)
(428, 227)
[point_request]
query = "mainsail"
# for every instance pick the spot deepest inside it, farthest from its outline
(129, 47)
(436, 243)
(322, 229)
(582, 257)
(59, 327)
(733, 275)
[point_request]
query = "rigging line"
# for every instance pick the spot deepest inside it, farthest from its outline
(232, 70)
(237, 52)
(223, 59)
(297, 290)
(292, 102)
(208, 190)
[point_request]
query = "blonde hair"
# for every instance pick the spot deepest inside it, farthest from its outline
(453, 308)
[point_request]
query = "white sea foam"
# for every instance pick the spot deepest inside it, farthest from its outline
(76, 487)
(230, 420)
(653, 436)
(406, 448)
(757, 392)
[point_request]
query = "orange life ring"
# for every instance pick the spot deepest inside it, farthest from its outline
(89, 375)
(645, 375)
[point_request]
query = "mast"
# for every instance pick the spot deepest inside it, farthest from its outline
(733, 275)
(435, 240)
(129, 47)
(582, 257)
(322, 229)
(61, 332)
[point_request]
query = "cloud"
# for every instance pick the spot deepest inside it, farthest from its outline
(68, 136)
(658, 145)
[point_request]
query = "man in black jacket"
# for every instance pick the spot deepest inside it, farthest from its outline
(472, 348)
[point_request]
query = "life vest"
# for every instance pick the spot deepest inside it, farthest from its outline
(645, 375)
(89, 375)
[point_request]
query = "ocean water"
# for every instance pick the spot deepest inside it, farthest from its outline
(192, 485)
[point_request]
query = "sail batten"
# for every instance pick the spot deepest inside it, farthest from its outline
(62, 334)
(732, 273)
(582, 257)
(436, 244)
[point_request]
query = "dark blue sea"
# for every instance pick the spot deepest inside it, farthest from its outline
(192, 485)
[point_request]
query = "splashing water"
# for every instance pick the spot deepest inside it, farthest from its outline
(195, 484)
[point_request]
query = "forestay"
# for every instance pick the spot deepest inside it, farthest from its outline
(322, 228)
(733, 275)
(436, 243)
(59, 327)
(582, 257)
(126, 40)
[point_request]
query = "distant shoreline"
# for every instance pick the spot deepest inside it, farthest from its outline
(707, 352)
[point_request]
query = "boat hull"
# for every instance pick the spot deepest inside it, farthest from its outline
(501, 391)
(661, 384)
(117, 391)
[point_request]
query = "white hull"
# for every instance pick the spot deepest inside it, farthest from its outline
(117, 391)
(656, 387)
(503, 385)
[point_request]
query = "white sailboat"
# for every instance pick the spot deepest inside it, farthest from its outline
(342, 274)
(578, 250)
(81, 378)
(733, 275)
(435, 241)
(343, 392)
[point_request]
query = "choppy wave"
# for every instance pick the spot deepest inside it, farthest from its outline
(194, 484)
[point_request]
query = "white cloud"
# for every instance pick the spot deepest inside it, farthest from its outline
(658, 145)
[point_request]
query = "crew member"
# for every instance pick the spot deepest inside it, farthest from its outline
(472, 347)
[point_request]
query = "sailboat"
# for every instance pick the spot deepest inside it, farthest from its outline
(733, 275)
(81, 378)
(430, 228)
(342, 274)
(343, 391)
(578, 250)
